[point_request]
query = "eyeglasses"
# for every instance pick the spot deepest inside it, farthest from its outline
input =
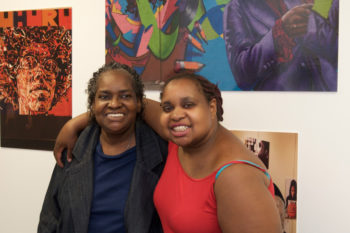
(49, 66)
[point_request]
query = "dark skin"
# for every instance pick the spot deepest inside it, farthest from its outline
(190, 121)
(204, 150)
(295, 21)
(68, 134)
(67, 137)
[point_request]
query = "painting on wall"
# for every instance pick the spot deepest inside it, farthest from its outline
(240, 45)
(280, 151)
(35, 76)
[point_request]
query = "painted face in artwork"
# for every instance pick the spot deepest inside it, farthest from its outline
(187, 115)
(36, 80)
(115, 106)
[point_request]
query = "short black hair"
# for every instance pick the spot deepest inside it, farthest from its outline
(137, 84)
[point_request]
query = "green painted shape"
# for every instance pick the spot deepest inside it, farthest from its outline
(116, 42)
(199, 13)
(210, 33)
(160, 44)
(222, 2)
(322, 7)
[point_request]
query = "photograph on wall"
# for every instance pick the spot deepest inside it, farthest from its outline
(291, 200)
(240, 45)
(259, 148)
(282, 166)
(35, 76)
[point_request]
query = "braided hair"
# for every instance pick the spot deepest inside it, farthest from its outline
(209, 90)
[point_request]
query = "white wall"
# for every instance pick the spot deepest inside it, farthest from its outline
(321, 119)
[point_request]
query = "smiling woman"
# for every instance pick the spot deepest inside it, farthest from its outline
(114, 108)
(112, 186)
(211, 182)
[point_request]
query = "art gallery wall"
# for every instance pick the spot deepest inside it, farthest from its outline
(282, 162)
(320, 119)
(283, 155)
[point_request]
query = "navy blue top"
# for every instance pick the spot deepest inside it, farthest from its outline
(112, 178)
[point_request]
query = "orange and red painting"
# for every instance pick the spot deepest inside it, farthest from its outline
(35, 76)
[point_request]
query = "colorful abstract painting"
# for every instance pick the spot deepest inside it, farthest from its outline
(35, 76)
(251, 45)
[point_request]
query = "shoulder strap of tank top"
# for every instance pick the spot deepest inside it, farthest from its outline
(244, 162)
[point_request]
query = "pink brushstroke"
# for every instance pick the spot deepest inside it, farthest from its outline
(125, 26)
(168, 9)
(143, 47)
(121, 20)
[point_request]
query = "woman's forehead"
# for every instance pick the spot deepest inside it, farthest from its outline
(38, 50)
(115, 79)
(186, 85)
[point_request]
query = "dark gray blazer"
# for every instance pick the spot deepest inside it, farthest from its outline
(67, 203)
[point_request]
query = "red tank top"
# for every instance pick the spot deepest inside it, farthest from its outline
(185, 204)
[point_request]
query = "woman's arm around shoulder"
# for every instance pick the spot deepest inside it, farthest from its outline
(68, 135)
(152, 115)
(244, 203)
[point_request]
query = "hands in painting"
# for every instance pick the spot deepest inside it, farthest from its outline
(295, 21)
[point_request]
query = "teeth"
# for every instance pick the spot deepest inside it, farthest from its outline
(115, 114)
(180, 128)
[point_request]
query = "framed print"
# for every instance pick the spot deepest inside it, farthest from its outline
(35, 76)
(240, 45)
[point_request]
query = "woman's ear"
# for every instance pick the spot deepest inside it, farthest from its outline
(92, 110)
(213, 108)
